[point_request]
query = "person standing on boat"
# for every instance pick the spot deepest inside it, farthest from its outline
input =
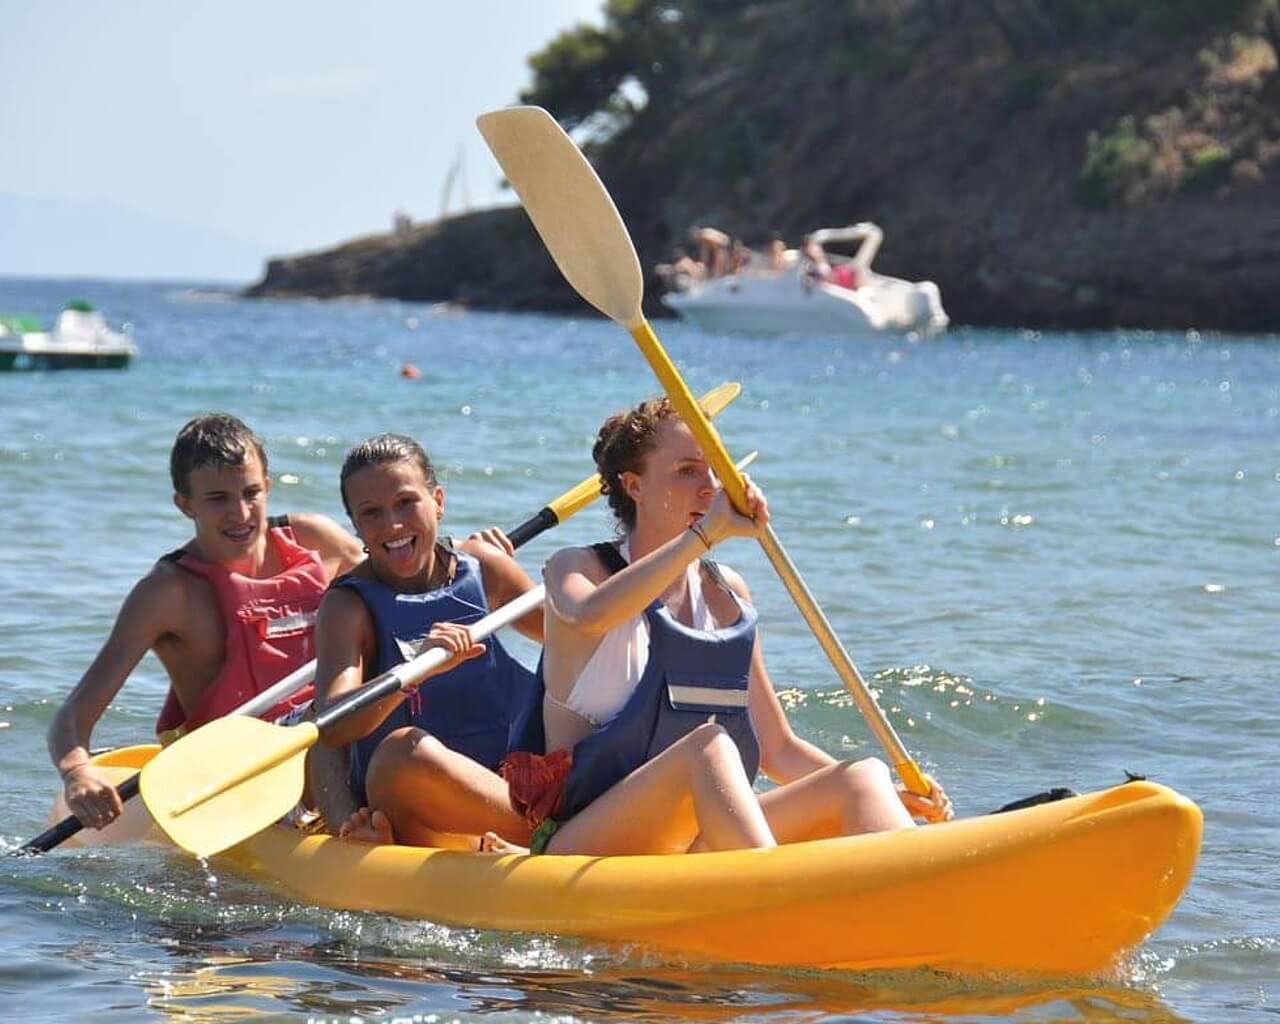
(426, 759)
(657, 708)
(228, 615)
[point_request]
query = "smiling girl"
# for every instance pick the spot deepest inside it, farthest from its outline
(425, 758)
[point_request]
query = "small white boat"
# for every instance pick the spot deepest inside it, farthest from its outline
(803, 297)
(80, 339)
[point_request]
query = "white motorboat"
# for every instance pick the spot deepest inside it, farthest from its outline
(80, 339)
(811, 292)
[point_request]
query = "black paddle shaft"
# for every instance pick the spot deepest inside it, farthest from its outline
(372, 692)
(532, 527)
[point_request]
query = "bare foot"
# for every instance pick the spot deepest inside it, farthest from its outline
(491, 842)
(366, 826)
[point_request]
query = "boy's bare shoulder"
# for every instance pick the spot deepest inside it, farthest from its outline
(167, 598)
(314, 529)
(320, 533)
(166, 579)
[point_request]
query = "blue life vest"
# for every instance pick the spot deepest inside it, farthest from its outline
(690, 676)
(469, 709)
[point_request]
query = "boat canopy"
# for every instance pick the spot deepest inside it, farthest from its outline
(865, 232)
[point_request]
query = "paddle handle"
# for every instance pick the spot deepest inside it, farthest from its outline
(70, 825)
(412, 672)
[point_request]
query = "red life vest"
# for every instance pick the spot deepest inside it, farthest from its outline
(269, 628)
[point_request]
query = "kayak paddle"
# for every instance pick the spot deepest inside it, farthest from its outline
(234, 776)
(568, 504)
(586, 237)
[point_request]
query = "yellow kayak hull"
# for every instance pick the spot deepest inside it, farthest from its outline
(1062, 888)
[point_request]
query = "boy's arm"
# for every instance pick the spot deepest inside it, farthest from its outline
(338, 549)
(152, 609)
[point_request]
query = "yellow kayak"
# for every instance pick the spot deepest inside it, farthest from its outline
(1063, 887)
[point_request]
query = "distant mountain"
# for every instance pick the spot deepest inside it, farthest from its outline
(47, 237)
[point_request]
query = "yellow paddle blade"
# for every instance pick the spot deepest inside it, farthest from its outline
(570, 208)
(573, 501)
(226, 781)
(581, 228)
(715, 401)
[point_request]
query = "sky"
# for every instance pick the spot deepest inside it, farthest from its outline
(194, 139)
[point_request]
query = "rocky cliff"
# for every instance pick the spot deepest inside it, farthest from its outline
(1080, 163)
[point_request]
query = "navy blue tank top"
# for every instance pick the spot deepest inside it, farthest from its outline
(471, 708)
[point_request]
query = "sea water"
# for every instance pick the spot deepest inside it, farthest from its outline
(1054, 556)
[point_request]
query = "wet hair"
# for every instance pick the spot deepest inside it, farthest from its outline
(217, 439)
(383, 450)
(621, 446)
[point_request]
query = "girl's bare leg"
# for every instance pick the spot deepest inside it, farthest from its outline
(434, 796)
(842, 799)
(696, 787)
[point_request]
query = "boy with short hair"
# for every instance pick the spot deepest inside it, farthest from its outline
(228, 614)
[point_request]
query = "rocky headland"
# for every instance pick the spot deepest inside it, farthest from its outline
(1068, 163)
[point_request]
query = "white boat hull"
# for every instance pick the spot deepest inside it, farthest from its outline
(783, 302)
(79, 340)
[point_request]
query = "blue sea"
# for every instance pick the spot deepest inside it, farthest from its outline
(1054, 555)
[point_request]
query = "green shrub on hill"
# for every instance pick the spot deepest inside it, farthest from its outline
(1207, 168)
(1112, 163)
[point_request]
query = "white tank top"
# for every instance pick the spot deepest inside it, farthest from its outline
(613, 672)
